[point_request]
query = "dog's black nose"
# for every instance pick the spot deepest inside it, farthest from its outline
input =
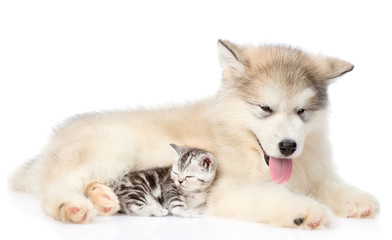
(287, 147)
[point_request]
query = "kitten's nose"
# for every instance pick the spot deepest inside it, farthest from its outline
(180, 181)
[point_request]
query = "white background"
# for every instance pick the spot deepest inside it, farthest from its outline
(60, 58)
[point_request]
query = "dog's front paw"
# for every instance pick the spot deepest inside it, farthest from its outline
(308, 214)
(354, 203)
(313, 217)
(76, 211)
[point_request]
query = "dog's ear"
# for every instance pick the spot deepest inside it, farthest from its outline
(229, 58)
(329, 68)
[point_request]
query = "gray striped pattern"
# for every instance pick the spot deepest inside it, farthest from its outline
(180, 189)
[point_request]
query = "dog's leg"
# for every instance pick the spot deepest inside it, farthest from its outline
(259, 201)
(346, 200)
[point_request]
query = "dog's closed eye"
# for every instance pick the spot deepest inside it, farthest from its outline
(266, 108)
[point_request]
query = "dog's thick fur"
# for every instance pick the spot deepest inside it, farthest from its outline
(101, 147)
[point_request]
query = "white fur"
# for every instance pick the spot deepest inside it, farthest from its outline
(284, 123)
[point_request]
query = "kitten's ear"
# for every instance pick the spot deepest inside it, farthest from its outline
(207, 162)
(177, 149)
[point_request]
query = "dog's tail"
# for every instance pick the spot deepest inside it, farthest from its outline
(25, 178)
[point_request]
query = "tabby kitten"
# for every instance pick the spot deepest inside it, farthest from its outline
(180, 189)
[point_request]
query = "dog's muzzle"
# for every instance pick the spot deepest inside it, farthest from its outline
(266, 157)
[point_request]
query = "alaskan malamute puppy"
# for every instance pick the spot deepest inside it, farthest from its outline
(266, 126)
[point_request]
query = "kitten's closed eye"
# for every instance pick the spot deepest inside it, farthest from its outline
(201, 180)
(194, 179)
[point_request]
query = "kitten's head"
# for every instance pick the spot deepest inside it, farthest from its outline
(193, 168)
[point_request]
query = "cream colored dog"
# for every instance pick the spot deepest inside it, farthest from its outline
(266, 125)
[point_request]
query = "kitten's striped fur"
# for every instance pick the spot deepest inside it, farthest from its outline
(180, 189)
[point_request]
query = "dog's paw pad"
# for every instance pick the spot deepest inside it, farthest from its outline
(314, 216)
(366, 213)
(310, 223)
(75, 212)
(314, 224)
(359, 209)
(103, 198)
(298, 221)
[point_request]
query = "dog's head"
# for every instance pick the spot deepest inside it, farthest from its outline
(279, 94)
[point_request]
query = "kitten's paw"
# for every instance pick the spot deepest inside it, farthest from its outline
(160, 212)
(356, 204)
(187, 213)
(306, 215)
(103, 198)
(148, 210)
(76, 211)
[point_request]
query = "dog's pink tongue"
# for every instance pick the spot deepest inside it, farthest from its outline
(280, 169)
